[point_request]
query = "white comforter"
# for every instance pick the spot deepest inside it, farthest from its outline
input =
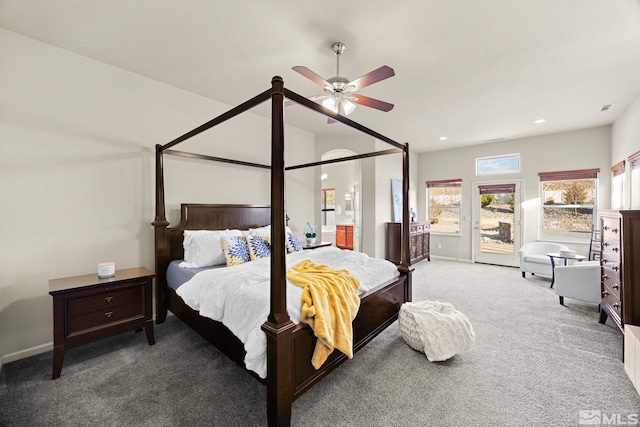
(239, 296)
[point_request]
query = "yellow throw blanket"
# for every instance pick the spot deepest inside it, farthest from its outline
(329, 304)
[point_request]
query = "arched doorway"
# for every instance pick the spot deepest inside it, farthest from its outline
(341, 208)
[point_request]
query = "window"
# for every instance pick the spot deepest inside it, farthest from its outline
(443, 205)
(509, 163)
(634, 163)
(617, 185)
(328, 204)
(568, 204)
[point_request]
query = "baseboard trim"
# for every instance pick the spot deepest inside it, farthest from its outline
(12, 357)
(446, 258)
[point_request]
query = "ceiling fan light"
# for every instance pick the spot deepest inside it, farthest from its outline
(331, 104)
(348, 107)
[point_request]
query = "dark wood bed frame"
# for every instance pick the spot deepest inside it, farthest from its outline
(289, 346)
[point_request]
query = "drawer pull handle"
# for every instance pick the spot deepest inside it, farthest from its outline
(614, 230)
(614, 268)
(108, 300)
(616, 306)
(605, 228)
(615, 249)
(605, 277)
(109, 314)
(605, 294)
(616, 286)
(605, 244)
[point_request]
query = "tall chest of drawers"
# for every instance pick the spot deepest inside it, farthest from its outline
(419, 236)
(620, 267)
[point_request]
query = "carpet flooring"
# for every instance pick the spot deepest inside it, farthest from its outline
(534, 363)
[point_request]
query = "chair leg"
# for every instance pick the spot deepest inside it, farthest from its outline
(561, 300)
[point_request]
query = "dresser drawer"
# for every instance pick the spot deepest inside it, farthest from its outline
(104, 300)
(610, 269)
(611, 227)
(613, 305)
(611, 290)
(611, 250)
(611, 277)
(116, 314)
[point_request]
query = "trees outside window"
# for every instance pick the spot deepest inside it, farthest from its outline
(443, 205)
(569, 201)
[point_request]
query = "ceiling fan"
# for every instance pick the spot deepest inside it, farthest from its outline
(339, 92)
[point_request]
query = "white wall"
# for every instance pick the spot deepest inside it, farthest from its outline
(625, 141)
(581, 149)
(77, 173)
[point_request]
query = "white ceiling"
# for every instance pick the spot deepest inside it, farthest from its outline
(466, 69)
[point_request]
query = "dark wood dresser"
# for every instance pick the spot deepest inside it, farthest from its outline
(620, 267)
(87, 308)
(418, 241)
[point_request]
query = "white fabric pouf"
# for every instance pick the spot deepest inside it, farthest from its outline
(435, 328)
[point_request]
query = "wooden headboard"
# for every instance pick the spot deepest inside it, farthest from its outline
(194, 216)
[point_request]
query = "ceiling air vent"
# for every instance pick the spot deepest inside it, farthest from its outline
(606, 107)
(495, 140)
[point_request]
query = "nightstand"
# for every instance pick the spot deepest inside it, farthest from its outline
(87, 308)
(317, 245)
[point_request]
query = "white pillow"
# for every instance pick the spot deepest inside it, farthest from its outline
(202, 248)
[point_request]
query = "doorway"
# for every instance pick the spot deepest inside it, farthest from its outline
(496, 223)
(341, 206)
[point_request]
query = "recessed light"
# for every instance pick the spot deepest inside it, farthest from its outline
(606, 107)
(443, 138)
(539, 121)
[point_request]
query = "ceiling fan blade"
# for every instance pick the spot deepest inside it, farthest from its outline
(372, 77)
(310, 98)
(311, 76)
(371, 102)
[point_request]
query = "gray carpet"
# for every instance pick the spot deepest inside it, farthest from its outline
(534, 363)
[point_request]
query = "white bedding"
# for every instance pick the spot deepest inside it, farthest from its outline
(239, 296)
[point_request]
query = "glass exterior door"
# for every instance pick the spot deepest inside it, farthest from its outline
(497, 223)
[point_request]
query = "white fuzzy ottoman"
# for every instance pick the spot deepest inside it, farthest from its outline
(435, 328)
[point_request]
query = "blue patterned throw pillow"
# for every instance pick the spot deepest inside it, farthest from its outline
(235, 250)
(293, 244)
(259, 246)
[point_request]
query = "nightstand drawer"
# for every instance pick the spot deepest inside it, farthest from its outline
(116, 314)
(105, 300)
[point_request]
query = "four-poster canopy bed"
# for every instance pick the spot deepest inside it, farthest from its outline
(289, 346)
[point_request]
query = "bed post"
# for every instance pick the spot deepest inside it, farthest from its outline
(161, 241)
(405, 262)
(278, 327)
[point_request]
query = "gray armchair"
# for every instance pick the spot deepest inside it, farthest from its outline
(580, 281)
